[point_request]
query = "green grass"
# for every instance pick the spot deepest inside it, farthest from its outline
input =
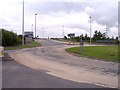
(109, 53)
(28, 45)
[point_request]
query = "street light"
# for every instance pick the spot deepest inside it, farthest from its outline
(63, 31)
(23, 25)
(43, 32)
(32, 28)
(106, 31)
(35, 24)
(90, 28)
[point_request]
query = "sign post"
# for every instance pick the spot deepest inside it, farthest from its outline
(71, 35)
(81, 45)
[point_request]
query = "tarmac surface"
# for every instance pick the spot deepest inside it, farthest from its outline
(49, 66)
(15, 75)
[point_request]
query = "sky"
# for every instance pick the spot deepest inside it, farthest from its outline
(54, 14)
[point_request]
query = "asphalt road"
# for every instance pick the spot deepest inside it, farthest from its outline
(49, 43)
(56, 51)
(16, 75)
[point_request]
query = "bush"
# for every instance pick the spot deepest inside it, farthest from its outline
(8, 38)
(19, 39)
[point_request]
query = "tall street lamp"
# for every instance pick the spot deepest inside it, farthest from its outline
(43, 32)
(106, 31)
(35, 24)
(90, 28)
(63, 30)
(32, 28)
(23, 25)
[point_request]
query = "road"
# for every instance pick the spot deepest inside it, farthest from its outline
(49, 42)
(53, 64)
(16, 75)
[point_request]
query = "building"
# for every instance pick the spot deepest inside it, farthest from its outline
(28, 36)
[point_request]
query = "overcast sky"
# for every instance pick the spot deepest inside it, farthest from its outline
(53, 14)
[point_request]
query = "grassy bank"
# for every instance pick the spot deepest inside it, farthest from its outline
(109, 53)
(27, 45)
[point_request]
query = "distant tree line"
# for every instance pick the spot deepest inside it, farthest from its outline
(9, 38)
(102, 36)
(96, 36)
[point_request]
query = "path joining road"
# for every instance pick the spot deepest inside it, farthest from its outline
(52, 59)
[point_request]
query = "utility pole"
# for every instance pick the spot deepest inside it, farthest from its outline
(106, 31)
(23, 25)
(43, 32)
(32, 27)
(35, 24)
(63, 30)
(90, 28)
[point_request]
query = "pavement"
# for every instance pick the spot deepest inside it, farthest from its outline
(51, 60)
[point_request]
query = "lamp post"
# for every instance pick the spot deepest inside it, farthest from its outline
(35, 24)
(23, 25)
(63, 30)
(32, 28)
(106, 31)
(90, 28)
(43, 32)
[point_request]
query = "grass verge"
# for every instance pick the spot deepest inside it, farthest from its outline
(27, 45)
(109, 53)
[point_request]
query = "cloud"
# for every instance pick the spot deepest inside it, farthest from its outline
(104, 13)
(48, 7)
(89, 10)
(52, 14)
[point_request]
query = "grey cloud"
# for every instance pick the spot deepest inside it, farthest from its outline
(105, 14)
(79, 26)
(119, 20)
(48, 7)
(119, 12)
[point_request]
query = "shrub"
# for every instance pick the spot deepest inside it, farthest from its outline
(8, 38)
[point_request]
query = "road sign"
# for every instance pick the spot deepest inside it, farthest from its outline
(71, 35)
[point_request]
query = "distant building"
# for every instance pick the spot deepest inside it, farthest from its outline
(28, 36)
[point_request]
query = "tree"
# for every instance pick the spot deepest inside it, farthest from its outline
(77, 39)
(98, 36)
(86, 37)
(103, 36)
(8, 38)
(65, 37)
(116, 40)
(19, 39)
(95, 35)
